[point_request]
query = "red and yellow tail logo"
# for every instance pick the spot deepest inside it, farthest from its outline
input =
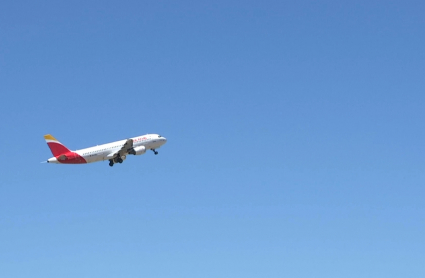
(55, 146)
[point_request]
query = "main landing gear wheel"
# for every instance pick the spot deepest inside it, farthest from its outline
(111, 163)
(117, 159)
(154, 151)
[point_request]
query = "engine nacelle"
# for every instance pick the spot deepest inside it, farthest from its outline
(138, 150)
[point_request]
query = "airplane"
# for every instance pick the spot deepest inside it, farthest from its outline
(115, 152)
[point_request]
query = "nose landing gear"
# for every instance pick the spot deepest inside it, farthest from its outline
(154, 151)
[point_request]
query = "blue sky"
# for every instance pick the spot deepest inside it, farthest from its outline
(295, 138)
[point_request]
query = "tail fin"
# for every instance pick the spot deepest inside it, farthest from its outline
(55, 146)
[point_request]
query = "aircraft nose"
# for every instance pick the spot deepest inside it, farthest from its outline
(165, 139)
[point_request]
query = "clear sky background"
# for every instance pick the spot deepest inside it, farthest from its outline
(295, 138)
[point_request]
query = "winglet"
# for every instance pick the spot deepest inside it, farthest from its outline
(55, 146)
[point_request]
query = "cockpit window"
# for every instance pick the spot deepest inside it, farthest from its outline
(159, 136)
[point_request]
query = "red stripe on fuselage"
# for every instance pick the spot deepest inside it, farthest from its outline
(71, 158)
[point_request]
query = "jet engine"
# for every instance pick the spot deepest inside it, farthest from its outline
(138, 150)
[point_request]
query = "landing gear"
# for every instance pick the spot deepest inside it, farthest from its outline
(117, 159)
(154, 151)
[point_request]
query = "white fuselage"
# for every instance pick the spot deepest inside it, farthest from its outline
(101, 152)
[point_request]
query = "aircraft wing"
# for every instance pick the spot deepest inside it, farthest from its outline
(128, 145)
